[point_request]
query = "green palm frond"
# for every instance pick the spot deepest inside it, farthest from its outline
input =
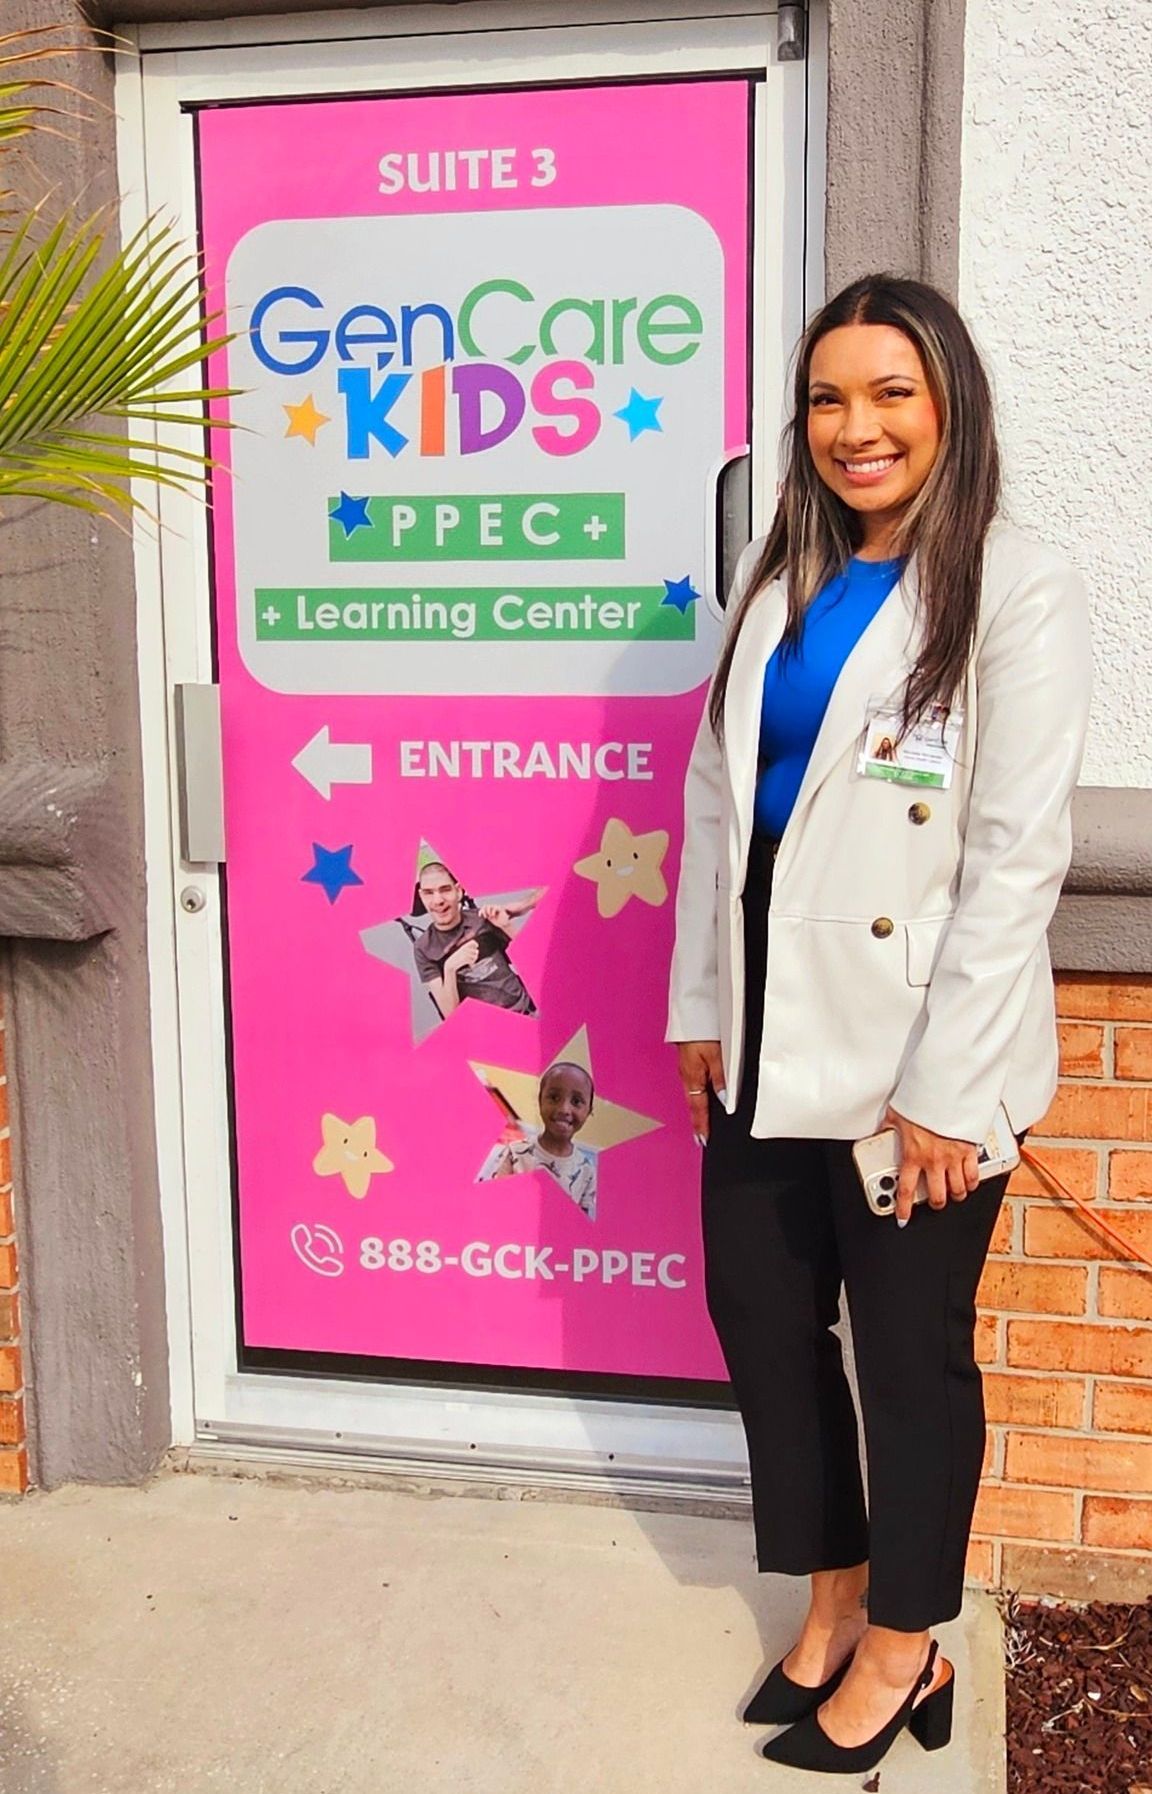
(15, 119)
(81, 341)
(92, 337)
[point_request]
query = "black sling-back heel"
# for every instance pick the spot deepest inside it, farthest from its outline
(808, 1746)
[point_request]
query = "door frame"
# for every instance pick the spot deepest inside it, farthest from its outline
(511, 1436)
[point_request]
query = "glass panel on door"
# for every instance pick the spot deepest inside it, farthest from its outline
(491, 352)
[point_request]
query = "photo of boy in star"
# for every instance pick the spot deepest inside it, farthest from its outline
(566, 1098)
(450, 945)
(463, 952)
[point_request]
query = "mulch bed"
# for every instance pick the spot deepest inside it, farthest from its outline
(1079, 1698)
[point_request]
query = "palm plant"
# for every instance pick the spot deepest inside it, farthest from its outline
(99, 346)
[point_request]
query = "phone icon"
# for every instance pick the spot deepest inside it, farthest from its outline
(319, 1247)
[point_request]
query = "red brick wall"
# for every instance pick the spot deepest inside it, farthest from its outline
(1065, 1329)
(13, 1453)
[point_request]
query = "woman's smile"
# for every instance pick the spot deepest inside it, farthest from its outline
(869, 473)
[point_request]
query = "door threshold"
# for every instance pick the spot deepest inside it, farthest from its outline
(418, 1466)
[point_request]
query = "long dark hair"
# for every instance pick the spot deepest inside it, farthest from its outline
(814, 534)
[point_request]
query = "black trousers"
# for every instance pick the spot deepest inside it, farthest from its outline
(786, 1227)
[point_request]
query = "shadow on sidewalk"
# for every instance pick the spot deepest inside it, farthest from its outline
(25, 1764)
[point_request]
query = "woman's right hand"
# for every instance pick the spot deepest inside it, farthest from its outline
(701, 1064)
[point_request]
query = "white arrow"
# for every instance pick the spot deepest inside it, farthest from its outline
(324, 762)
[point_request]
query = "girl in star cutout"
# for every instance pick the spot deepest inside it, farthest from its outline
(566, 1099)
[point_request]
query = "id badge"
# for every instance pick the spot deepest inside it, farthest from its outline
(926, 755)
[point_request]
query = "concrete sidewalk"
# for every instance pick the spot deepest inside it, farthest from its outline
(288, 1638)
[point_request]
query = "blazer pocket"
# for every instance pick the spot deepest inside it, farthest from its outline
(923, 938)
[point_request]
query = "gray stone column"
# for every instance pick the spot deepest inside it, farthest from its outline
(72, 905)
(895, 109)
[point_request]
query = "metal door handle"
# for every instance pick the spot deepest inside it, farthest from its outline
(199, 774)
(730, 522)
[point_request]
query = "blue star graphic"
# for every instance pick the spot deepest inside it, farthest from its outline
(350, 514)
(680, 592)
(331, 870)
(640, 415)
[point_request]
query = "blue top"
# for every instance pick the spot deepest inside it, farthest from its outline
(799, 681)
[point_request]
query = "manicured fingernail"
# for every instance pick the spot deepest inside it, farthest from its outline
(700, 1139)
(904, 1222)
(722, 1095)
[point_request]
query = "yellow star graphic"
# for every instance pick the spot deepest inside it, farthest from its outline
(608, 1125)
(627, 866)
(304, 420)
(349, 1151)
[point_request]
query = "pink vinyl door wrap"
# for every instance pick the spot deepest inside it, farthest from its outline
(490, 352)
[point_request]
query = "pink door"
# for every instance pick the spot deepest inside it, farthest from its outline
(490, 353)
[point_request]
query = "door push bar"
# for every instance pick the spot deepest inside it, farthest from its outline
(729, 521)
(199, 777)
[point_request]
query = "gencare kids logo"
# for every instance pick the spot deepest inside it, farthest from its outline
(527, 363)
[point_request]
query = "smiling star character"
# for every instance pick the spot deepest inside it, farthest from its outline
(349, 1151)
(627, 865)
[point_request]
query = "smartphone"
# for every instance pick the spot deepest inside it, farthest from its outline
(878, 1162)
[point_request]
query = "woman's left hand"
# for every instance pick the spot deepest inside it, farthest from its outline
(950, 1167)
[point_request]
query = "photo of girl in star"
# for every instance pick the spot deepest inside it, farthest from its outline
(565, 1098)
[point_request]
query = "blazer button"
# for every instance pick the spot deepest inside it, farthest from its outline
(882, 927)
(919, 813)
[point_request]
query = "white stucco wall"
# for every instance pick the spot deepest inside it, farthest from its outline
(1056, 280)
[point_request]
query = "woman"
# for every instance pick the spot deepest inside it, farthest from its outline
(854, 953)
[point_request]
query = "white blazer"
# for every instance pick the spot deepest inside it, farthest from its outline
(907, 959)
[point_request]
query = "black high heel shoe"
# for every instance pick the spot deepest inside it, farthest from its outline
(808, 1746)
(781, 1701)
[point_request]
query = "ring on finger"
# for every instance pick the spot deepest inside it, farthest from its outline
(703, 1091)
